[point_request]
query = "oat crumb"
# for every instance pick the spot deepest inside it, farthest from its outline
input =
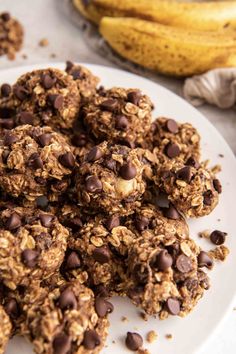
(204, 234)
(43, 42)
(221, 155)
(169, 336)
(216, 169)
(151, 336)
(53, 55)
(143, 351)
(219, 253)
(124, 319)
(24, 56)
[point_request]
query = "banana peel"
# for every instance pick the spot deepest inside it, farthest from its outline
(203, 16)
(169, 50)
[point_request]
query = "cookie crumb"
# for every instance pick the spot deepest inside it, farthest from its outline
(221, 155)
(169, 336)
(151, 336)
(219, 253)
(216, 169)
(43, 42)
(124, 319)
(11, 35)
(24, 56)
(143, 351)
(53, 55)
(204, 234)
(143, 315)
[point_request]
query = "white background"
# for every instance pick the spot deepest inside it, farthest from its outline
(46, 19)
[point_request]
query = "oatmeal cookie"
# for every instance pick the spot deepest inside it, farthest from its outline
(32, 245)
(11, 35)
(68, 319)
(111, 179)
(165, 275)
(171, 140)
(119, 115)
(44, 97)
(85, 80)
(34, 161)
(5, 332)
(193, 191)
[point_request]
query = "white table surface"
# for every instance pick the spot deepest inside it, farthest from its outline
(45, 19)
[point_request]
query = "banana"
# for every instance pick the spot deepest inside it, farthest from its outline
(80, 5)
(169, 50)
(203, 16)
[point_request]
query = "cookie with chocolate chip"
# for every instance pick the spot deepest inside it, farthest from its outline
(43, 97)
(6, 327)
(191, 189)
(33, 245)
(84, 79)
(165, 274)
(170, 140)
(119, 115)
(68, 319)
(111, 179)
(11, 35)
(34, 161)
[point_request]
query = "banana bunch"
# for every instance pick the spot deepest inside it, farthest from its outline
(173, 38)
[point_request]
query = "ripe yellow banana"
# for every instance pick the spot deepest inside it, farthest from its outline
(169, 50)
(82, 7)
(203, 16)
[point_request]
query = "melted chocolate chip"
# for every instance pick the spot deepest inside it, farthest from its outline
(112, 221)
(141, 223)
(218, 237)
(207, 197)
(109, 105)
(5, 90)
(48, 81)
(101, 255)
(35, 161)
(172, 126)
(10, 139)
(67, 160)
(13, 222)
(42, 202)
(183, 264)
(128, 171)
(30, 258)
(103, 307)
(173, 306)
(163, 261)
(171, 213)
(5, 16)
(56, 100)
(91, 339)
(26, 118)
(12, 308)
(134, 97)
(67, 300)
(94, 154)
(204, 260)
(72, 261)
(122, 123)
(61, 344)
(46, 219)
(172, 150)
(133, 341)
(20, 92)
(185, 174)
(192, 162)
(93, 184)
(217, 185)
(44, 139)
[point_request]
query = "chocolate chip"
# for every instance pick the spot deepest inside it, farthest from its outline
(44, 139)
(109, 105)
(26, 118)
(94, 154)
(173, 306)
(128, 171)
(218, 237)
(217, 185)
(69, 65)
(76, 74)
(207, 197)
(163, 260)
(20, 92)
(12, 309)
(46, 219)
(79, 140)
(103, 307)
(5, 90)
(5, 155)
(48, 81)
(133, 341)
(72, 261)
(172, 150)
(101, 291)
(7, 123)
(172, 126)
(67, 300)
(61, 344)
(185, 174)
(42, 202)
(191, 284)
(91, 339)
(162, 200)
(13, 222)
(93, 184)
(112, 221)
(101, 255)
(56, 100)
(171, 213)
(141, 223)
(204, 260)
(5, 16)
(10, 139)
(122, 123)
(134, 97)
(67, 160)
(192, 162)
(141, 274)
(30, 258)
(110, 164)
(35, 161)
(183, 264)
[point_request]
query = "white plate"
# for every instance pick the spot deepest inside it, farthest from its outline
(190, 333)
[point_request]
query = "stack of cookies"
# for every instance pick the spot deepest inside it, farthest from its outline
(94, 201)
